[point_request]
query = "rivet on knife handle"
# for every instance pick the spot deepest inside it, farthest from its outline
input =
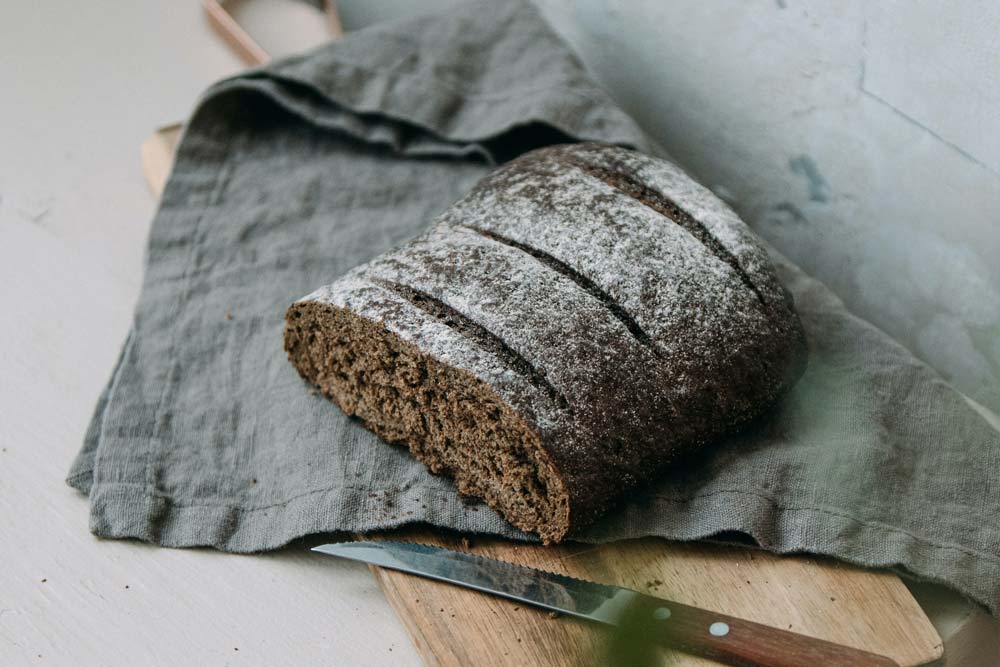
(736, 641)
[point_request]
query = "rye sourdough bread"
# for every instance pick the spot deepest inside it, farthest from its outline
(582, 318)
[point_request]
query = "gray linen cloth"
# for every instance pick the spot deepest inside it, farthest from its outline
(288, 176)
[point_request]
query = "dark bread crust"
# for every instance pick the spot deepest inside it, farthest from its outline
(617, 312)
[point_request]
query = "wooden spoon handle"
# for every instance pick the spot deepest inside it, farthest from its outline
(240, 41)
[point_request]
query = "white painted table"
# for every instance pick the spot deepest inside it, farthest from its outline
(83, 85)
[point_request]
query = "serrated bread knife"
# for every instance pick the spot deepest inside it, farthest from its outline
(669, 624)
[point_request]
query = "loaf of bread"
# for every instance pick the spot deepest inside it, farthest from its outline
(585, 316)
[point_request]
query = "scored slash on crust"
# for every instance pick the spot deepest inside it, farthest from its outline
(652, 199)
(469, 328)
(585, 283)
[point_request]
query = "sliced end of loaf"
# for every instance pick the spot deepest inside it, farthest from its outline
(450, 420)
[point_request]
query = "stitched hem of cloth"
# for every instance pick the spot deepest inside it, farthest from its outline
(777, 528)
(81, 473)
(833, 512)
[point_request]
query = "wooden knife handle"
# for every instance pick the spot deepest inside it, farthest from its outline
(734, 641)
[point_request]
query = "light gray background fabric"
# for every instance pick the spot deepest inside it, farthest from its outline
(290, 175)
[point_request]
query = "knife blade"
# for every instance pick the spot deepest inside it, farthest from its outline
(669, 624)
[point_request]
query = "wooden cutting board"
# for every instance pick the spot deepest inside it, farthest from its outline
(869, 610)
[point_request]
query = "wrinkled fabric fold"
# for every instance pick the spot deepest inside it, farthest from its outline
(289, 175)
